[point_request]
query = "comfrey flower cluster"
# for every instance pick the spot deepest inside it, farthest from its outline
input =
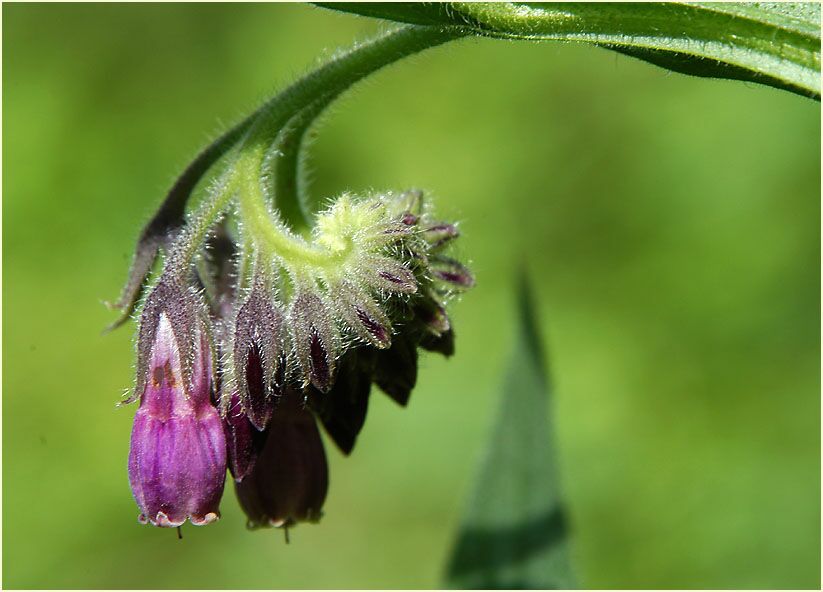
(248, 339)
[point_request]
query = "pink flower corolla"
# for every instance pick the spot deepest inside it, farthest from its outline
(177, 459)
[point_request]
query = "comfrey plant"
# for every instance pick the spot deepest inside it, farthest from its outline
(265, 321)
(268, 317)
(240, 356)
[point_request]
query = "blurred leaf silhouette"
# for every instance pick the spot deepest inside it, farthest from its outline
(514, 532)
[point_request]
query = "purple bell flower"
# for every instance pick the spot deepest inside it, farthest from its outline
(177, 459)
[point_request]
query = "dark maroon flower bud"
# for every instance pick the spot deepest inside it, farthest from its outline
(433, 316)
(343, 409)
(243, 440)
(289, 481)
(177, 459)
(437, 334)
(315, 339)
(257, 355)
(395, 369)
(438, 235)
(363, 315)
(389, 275)
(452, 272)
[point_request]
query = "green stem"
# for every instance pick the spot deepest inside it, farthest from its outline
(284, 165)
(300, 104)
(203, 220)
(322, 86)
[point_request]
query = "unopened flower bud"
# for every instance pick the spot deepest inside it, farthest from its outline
(438, 335)
(363, 315)
(315, 339)
(452, 272)
(289, 481)
(439, 235)
(432, 315)
(388, 275)
(257, 355)
(177, 459)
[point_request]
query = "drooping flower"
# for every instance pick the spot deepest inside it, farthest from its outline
(289, 481)
(177, 458)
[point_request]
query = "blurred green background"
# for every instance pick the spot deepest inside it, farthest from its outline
(671, 226)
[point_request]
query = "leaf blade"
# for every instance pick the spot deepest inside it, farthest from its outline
(514, 532)
(767, 43)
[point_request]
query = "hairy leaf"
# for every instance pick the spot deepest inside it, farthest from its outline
(771, 43)
(514, 532)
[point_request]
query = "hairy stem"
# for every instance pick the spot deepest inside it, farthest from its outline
(284, 167)
(295, 109)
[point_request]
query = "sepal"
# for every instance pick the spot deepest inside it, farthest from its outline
(258, 354)
(315, 338)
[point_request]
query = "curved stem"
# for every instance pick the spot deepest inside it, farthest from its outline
(290, 116)
(169, 217)
(200, 223)
(284, 167)
(322, 85)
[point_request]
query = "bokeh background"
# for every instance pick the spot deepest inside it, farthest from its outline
(671, 226)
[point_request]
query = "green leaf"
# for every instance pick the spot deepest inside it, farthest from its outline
(514, 532)
(771, 43)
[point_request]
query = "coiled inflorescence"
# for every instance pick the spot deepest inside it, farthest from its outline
(245, 341)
